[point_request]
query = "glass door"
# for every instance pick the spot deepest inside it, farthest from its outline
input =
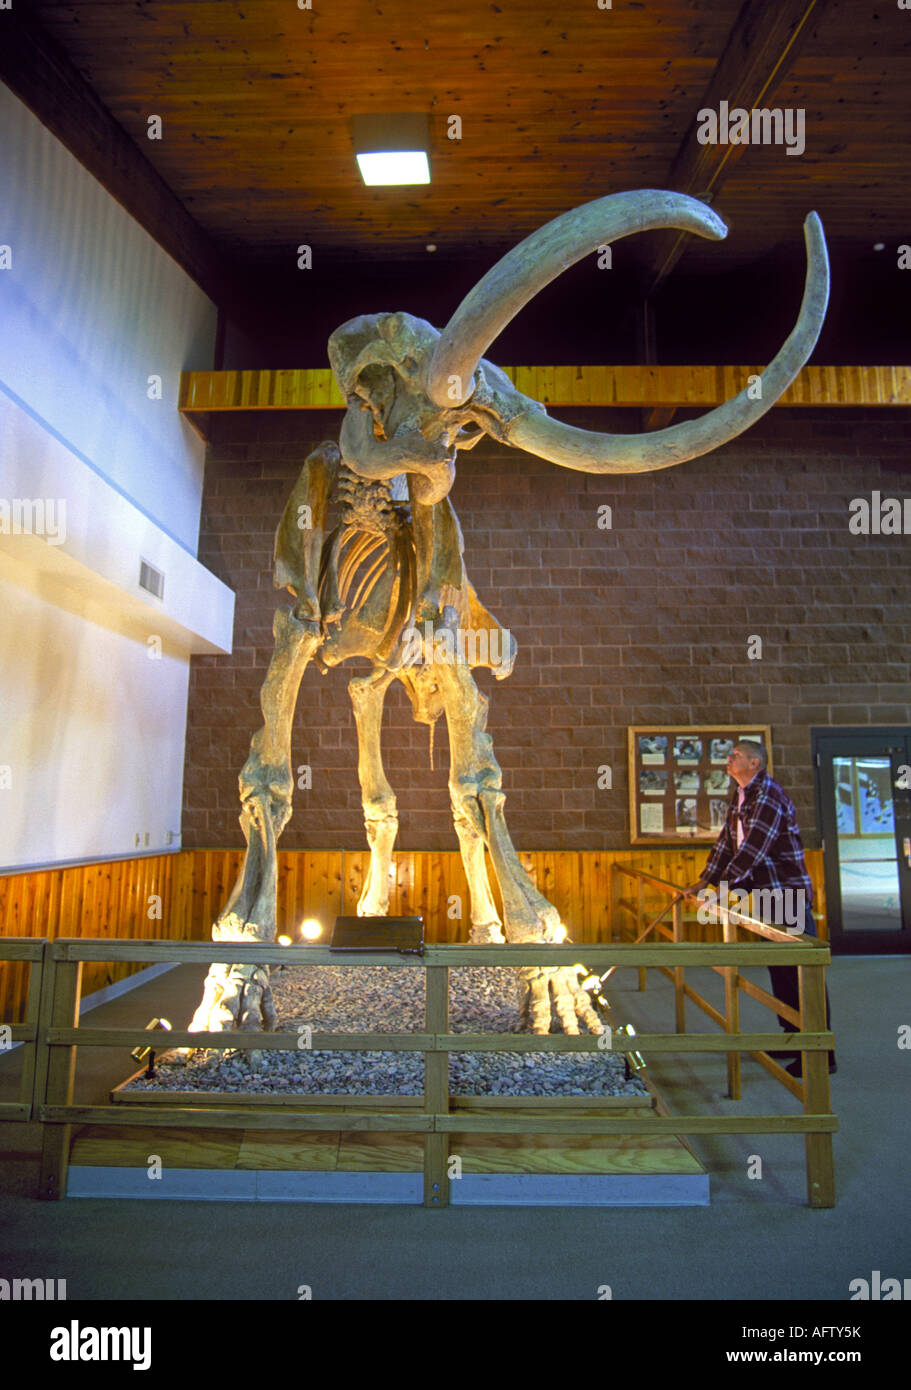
(864, 796)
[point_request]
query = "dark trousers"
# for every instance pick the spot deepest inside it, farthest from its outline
(786, 983)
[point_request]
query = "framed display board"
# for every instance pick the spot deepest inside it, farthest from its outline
(678, 786)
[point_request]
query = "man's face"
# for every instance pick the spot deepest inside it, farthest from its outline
(742, 766)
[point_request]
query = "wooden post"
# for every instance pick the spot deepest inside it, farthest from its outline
(679, 991)
(436, 1087)
(732, 1008)
(60, 1009)
(817, 1100)
(28, 1090)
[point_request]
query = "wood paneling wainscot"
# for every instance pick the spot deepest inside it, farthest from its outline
(178, 896)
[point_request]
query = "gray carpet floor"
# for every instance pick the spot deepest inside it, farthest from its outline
(757, 1240)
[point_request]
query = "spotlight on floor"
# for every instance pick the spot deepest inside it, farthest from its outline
(591, 982)
(139, 1054)
(634, 1061)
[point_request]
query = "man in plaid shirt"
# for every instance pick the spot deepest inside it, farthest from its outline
(759, 851)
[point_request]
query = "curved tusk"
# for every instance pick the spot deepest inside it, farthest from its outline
(540, 258)
(589, 452)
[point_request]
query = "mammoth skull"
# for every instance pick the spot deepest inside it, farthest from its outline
(416, 396)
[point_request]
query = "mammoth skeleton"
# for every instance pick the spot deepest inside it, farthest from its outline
(394, 567)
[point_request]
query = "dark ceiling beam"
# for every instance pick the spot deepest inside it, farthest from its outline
(763, 44)
(35, 68)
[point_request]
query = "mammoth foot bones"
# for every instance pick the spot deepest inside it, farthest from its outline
(549, 994)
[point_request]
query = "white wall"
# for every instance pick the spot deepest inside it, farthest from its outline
(92, 726)
(90, 309)
(92, 729)
(58, 516)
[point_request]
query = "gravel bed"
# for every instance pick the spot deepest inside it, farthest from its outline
(354, 999)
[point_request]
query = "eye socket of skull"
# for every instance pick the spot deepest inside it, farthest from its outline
(376, 384)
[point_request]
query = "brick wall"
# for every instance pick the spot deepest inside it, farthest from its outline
(647, 622)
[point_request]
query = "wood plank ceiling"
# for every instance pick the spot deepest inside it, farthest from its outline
(559, 104)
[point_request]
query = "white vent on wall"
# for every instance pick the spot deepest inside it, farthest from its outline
(151, 579)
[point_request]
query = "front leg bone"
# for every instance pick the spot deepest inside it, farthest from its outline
(237, 996)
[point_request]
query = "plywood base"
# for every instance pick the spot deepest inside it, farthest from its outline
(367, 1166)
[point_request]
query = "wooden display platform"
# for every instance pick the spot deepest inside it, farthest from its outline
(381, 1167)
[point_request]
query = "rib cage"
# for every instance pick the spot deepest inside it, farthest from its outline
(361, 558)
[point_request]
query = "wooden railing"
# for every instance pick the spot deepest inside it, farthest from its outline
(729, 921)
(54, 1041)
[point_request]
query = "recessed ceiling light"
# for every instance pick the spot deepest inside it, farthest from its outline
(394, 166)
(879, 246)
(392, 149)
(431, 246)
